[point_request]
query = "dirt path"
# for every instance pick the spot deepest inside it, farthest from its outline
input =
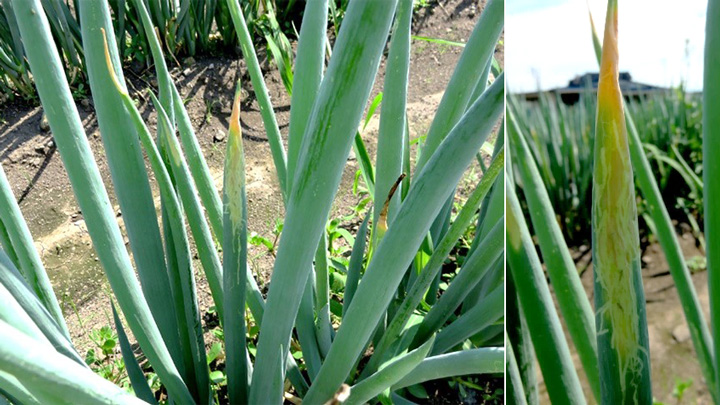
(38, 178)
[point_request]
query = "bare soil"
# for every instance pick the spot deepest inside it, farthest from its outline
(37, 175)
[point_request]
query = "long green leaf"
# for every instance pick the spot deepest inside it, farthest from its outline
(389, 375)
(6, 244)
(12, 280)
(518, 338)
(355, 266)
(89, 190)
(482, 81)
(483, 314)
(13, 313)
(491, 210)
(366, 168)
(434, 264)
(392, 111)
(332, 124)
(23, 248)
(711, 170)
(163, 75)
(5, 398)
(486, 360)
(309, 64)
(533, 293)
(474, 268)
(207, 251)
(16, 392)
(457, 98)
(188, 193)
(58, 379)
(572, 300)
(127, 169)
(266, 108)
(515, 393)
(172, 104)
(235, 259)
(182, 277)
(137, 377)
(305, 326)
(400, 400)
(429, 192)
(323, 326)
(471, 64)
(198, 166)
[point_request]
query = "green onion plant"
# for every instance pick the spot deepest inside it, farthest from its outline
(397, 326)
(612, 342)
(186, 28)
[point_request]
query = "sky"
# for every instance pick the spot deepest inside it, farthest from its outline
(548, 42)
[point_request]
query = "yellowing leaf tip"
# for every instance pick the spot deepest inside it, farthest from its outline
(108, 60)
(235, 116)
